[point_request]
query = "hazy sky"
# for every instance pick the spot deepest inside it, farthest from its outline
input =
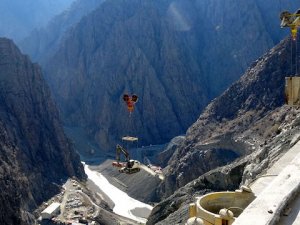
(19, 17)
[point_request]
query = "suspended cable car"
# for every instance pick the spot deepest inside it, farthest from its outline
(130, 101)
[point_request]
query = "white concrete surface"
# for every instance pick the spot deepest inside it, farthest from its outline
(260, 184)
(274, 192)
(292, 216)
(124, 204)
(51, 210)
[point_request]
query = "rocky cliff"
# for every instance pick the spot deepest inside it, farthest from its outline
(114, 51)
(249, 118)
(174, 209)
(44, 41)
(257, 93)
(282, 133)
(174, 55)
(19, 17)
(35, 156)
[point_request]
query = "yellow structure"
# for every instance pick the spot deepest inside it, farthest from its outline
(292, 91)
(219, 208)
(291, 20)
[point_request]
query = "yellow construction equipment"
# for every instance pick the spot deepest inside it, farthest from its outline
(292, 84)
(291, 20)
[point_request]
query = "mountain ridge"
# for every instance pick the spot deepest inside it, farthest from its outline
(35, 155)
(240, 105)
(43, 42)
(166, 52)
(20, 17)
(253, 113)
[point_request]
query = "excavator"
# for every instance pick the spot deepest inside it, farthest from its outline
(130, 166)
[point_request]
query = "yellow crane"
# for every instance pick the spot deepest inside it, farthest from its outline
(292, 83)
(291, 20)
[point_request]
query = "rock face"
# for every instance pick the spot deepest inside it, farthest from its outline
(43, 42)
(172, 54)
(18, 18)
(35, 155)
(164, 156)
(222, 123)
(249, 118)
(282, 133)
(126, 52)
(174, 209)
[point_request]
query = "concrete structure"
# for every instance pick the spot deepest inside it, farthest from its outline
(51, 211)
(292, 91)
(276, 197)
(275, 192)
(219, 208)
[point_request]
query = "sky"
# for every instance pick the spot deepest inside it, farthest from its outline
(19, 17)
